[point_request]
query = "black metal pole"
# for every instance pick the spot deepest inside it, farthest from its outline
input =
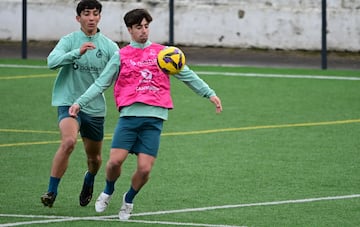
(323, 36)
(171, 22)
(24, 25)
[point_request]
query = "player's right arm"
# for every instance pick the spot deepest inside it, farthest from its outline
(63, 54)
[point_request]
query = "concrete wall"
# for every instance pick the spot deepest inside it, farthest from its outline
(273, 24)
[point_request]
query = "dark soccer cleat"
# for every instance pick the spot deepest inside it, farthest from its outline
(48, 199)
(86, 194)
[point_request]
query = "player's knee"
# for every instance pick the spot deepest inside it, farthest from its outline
(116, 159)
(95, 161)
(144, 171)
(114, 164)
(68, 144)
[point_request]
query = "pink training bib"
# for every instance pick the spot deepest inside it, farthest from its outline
(140, 79)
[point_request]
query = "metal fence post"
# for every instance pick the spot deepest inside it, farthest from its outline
(323, 36)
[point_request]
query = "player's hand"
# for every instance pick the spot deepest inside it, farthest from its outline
(217, 102)
(86, 46)
(74, 110)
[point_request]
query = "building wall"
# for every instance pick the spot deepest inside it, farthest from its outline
(269, 24)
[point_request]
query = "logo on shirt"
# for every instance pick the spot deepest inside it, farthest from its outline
(145, 82)
(153, 52)
(75, 66)
(147, 62)
(99, 54)
(146, 74)
(87, 68)
(133, 63)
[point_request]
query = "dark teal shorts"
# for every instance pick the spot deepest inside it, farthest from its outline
(138, 135)
(90, 127)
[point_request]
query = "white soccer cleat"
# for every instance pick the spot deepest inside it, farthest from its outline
(102, 202)
(125, 210)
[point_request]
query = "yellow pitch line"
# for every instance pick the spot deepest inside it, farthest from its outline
(28, 131)
(34, 131)
(263, 127)
(109, 136)
(27, 77)
(29, 143)
(39, 143)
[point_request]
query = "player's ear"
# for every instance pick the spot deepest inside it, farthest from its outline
(78, 18)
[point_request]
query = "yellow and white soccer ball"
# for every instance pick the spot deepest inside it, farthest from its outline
(171, 60)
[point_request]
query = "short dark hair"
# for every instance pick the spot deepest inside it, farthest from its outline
(88, 4)
(135, 16)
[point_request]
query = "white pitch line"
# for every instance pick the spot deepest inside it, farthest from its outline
(31, 216)
(113, 220)
(23, 66)
(38, 222)
(226, 73)
(278, 75)
(106, 218)
(249, 205)
(181, 223)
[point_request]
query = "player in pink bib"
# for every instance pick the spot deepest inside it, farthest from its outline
(140, 79)
(142, 95)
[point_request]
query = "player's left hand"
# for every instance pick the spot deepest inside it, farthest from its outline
(74, 110)
(217, 102)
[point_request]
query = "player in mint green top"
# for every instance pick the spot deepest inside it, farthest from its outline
(142, 95)
(80, 56)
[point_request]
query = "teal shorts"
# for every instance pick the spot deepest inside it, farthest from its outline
(90, 127)
(138, 135)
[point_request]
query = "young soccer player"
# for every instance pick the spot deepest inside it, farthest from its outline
(81, 57)
(142, 96)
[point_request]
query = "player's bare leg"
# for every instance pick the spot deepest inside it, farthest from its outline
(93, 153)
(140, 177)
(69, 130)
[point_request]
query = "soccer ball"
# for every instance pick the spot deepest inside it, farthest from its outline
(171, 60)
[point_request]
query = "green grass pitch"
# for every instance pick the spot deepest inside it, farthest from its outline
(284, 152)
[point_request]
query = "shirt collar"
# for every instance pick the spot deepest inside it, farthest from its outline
(140, 45)
(92, 36)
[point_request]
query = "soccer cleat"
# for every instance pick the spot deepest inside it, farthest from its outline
(125, 210)
(86, 194)
(48, 199)
(102, 202)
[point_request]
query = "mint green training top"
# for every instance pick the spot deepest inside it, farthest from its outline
(111, 72)
(77, 72)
